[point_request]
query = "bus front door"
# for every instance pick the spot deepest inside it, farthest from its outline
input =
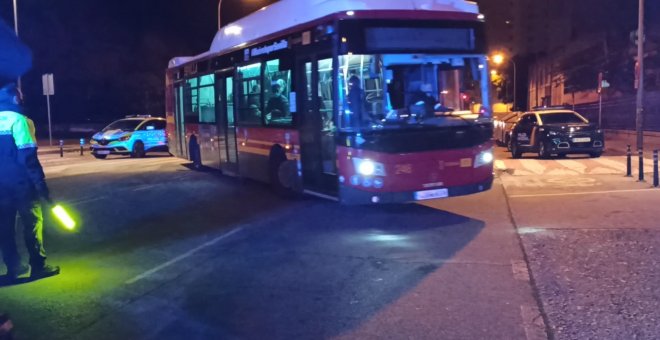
(181, 143)
(317, 132)
(226, 120)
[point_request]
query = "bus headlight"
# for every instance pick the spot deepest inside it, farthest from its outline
(367, 167)
(484, 158)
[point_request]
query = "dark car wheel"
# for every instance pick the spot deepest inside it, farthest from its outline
(543, 151)
(515, 151)
(97, 156)
(138, 150)
(595, 154)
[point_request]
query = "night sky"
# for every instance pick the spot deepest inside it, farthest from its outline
(109, 57)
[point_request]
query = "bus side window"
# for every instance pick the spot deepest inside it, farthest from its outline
(250, 94)
(278, 88)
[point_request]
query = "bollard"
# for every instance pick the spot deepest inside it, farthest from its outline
(82, 145)
(656, 180)
(61, 148)
(641, 165)
(629, 162)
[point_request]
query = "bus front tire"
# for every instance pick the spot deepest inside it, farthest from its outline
(283, 174)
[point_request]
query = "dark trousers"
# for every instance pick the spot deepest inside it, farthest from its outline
(32, 218)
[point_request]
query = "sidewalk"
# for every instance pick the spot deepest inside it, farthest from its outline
(617, 141)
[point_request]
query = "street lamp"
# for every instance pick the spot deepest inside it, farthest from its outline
(498, 59)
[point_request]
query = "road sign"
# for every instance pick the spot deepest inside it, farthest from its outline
(49, 90)
(48, 84)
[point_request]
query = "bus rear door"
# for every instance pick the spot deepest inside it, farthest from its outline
(226, 120)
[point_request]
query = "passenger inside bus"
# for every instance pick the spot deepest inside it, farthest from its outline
(355, 99)
(277, 107)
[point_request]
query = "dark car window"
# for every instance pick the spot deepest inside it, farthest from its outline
(528, 120)
(123, 125)
(153, 125)
(561, 118)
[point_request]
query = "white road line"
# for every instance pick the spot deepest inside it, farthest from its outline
(533, 165)
(87, 200)
(573, 165)
(533, 323)
(145, 187)
(520, 271)
(620, 166)
(181, 257)
(587, 193)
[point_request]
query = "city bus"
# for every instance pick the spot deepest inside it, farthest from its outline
(362, 102)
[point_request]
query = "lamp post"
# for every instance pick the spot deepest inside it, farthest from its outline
(639, 117)
(16, 30)
(498, 59)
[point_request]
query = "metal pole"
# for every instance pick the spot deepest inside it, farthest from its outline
(628, 162)
(600, 109)
(639, 122)
(656, 180)
(641, 165)
(18, 82)
(515, 88)
(50, 128)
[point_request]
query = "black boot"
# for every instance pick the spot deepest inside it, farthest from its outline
(46, 270)
(18, 272)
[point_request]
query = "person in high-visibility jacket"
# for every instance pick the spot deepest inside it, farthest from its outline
(22, 181)
(23, 187)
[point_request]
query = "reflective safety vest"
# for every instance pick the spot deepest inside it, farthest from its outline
(19, 166)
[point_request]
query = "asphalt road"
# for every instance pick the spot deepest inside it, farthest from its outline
(166, 253)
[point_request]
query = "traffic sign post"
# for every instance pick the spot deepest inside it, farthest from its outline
(49, 90)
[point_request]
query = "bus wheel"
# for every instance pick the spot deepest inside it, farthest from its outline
(283, 173)
(138, 150)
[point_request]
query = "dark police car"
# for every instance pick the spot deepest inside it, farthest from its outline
(556, 131)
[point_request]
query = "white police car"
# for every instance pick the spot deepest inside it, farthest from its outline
(134, 136)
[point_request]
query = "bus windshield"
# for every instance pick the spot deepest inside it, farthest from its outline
(394, 91)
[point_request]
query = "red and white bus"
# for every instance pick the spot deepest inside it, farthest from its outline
(366, 101)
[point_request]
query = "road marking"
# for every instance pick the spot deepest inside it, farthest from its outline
(181, 257)
(87, 200)
(500, 165)
(520, 270)
(611, 163)
(533, 166)
(533, 323)
(145, 187)
(586, 193)
(573, 165)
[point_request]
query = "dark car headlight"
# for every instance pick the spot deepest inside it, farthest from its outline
(553, 133)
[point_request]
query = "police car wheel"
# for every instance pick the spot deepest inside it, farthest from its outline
(515, 152)
(138, 150)
(99, 156)
(543, 151)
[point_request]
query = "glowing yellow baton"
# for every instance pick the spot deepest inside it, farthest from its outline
(64, 217)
